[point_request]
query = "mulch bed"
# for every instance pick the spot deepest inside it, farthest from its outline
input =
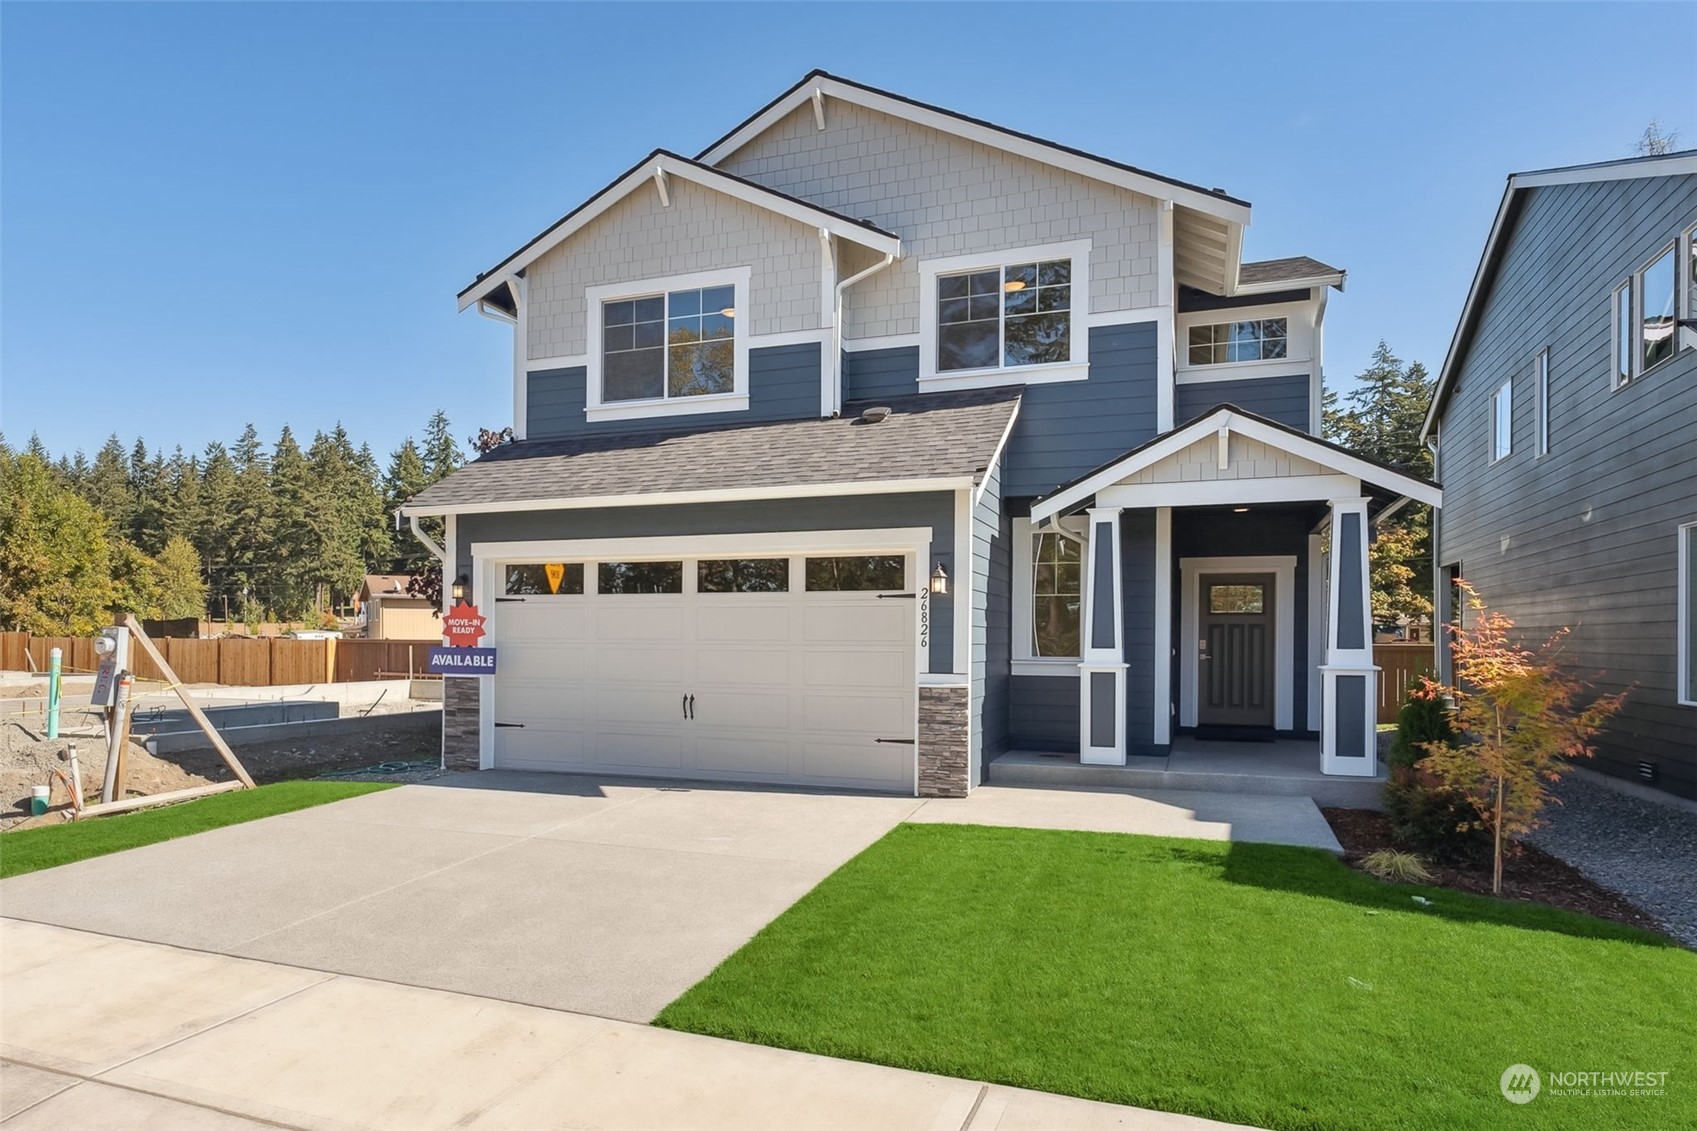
(1528, 873)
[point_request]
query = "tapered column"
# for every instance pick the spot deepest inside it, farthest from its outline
(1101, 674)
(1349, 680)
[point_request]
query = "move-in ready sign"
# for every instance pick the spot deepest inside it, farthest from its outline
(462, 661)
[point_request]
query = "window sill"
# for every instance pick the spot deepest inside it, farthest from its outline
(1046, 667)
(1240, 370)
(682, 406)
(1005, 375)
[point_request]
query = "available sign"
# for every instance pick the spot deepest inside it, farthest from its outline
(462, 661)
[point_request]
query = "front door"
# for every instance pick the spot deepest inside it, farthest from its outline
(1235, 669)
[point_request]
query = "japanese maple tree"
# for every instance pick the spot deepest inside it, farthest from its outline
(1521, 717)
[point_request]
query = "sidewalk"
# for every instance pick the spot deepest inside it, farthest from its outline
(108, 1032)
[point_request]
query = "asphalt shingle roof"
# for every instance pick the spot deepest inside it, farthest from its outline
(1279, 270)
(931, 436)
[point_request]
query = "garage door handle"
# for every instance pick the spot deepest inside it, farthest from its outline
(519, 725)
(692, 706)
(896, 741)
(498, 600)
(898, 596)
(684, 705)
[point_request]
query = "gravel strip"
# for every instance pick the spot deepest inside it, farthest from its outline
(1645, 851)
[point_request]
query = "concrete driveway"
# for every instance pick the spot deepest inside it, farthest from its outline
(600, 897)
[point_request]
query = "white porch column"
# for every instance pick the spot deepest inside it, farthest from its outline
(1101, 674)
(1349, 680)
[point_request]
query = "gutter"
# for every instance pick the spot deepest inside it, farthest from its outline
(836, 405)
(435, 548)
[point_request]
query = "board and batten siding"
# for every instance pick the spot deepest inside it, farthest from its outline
(1284, 399)
(783, 384)
(935, 509)
(701, 231)
(1584, 537)
(946, 196)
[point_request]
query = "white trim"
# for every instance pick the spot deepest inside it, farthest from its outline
(996, 456)
(827, 281)
(1133, 316)
(1621, 333)
(1330, 763)
(740, 279)
(709, 178)
(1229, 492)
(1163, 644)
(1501, 451)
(893, 540)
(1104, 523)
(1173, 442)
(1243, 371)
(1638, 369)
(1316, 657)
(1541, 384)
(1686, 605)
(1317, 372)
(723, 495)
(960, 589)
(1076, 368)
(1020, 641)
(791, 338)
(572, 361)
(1113, 755)
(521, 374)
(887, 342)
(1209, 203)
(1283, 568)
(1310, 282)
(1626, 169)
(1166, 360)
(1045, 668)
(1336, 655)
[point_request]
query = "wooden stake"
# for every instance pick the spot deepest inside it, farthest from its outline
(156, 799)
(130, 622)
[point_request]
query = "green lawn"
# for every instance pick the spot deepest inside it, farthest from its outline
(1250, 983)
(30, 850)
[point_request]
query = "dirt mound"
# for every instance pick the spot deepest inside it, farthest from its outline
(27, 759)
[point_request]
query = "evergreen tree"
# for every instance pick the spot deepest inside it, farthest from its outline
(149, 488)
(442, 455)
(405, 478)
(215, 534)
(180, 514)
(38, 449)
(290, 575)
(107, 484)
(253, 521)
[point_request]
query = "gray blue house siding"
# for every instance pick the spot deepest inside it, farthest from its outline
(1284, 399)
(1585, 536)
(1137, 589)
(934, 509)
(871, 374)
(991, 598)
(783, 384)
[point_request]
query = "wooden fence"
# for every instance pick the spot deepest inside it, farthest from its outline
(234, 660)
(1399, 666)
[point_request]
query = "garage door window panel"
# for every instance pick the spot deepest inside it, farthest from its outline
(743, 575)
(863, 573)
(531, 579)
(615, 578)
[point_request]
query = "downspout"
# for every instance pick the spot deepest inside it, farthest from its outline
(837, 329)
(435, 548)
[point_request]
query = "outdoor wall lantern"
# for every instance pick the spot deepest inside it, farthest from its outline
(462, 586)
(940, 581)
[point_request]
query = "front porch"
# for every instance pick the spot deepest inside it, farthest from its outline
(1286, 767)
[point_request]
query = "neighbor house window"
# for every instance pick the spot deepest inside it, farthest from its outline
(1623, 335)
(677, 344)
(1256, 339)
(1657, 317)
(1541, 370)
(1688, 614)
(1020, 314)
(1057, 596)
(1502, 421)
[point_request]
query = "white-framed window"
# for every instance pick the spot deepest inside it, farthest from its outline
(1658, 310)
(1005, 317)
(1688, 614)
(1502, 421)
(1541, 371)
(1229, 343)
(1048, 597)
(1690, 260)
(669, 346)
(1621, 320)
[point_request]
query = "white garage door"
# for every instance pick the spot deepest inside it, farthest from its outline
(783, 669)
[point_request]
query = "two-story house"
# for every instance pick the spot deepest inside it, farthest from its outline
(876, 440)
(1565, 428)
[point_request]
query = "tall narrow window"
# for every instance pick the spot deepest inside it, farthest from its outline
(1502, 421)
(1056, 596)
(1542, 370)
(1687, 614)
(1657, 320)
(1623, 335)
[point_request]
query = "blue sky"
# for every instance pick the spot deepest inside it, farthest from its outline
(217, 213)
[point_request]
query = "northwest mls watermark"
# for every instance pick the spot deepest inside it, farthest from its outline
(1521, 1084)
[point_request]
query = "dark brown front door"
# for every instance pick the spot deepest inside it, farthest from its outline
(1235, 667)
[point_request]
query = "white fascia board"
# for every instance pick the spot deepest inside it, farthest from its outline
(1229, 492)
(996, 456)
(1200, 201)
(1335, 279)
(727, 495)
(730, 186)
(906, 539)
(1626, 169)
(1340, 462)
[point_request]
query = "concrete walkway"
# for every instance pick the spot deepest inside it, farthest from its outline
(117, 1034)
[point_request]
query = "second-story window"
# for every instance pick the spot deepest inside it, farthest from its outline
(1502, 421)
(677, 344)
(1020, 314)
(1256, 339)
(1657, 317)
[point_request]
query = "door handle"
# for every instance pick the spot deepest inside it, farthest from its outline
(684, 704)
(692, 706)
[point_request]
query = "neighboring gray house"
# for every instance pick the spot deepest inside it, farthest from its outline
(875, 441)
(1565, 427)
